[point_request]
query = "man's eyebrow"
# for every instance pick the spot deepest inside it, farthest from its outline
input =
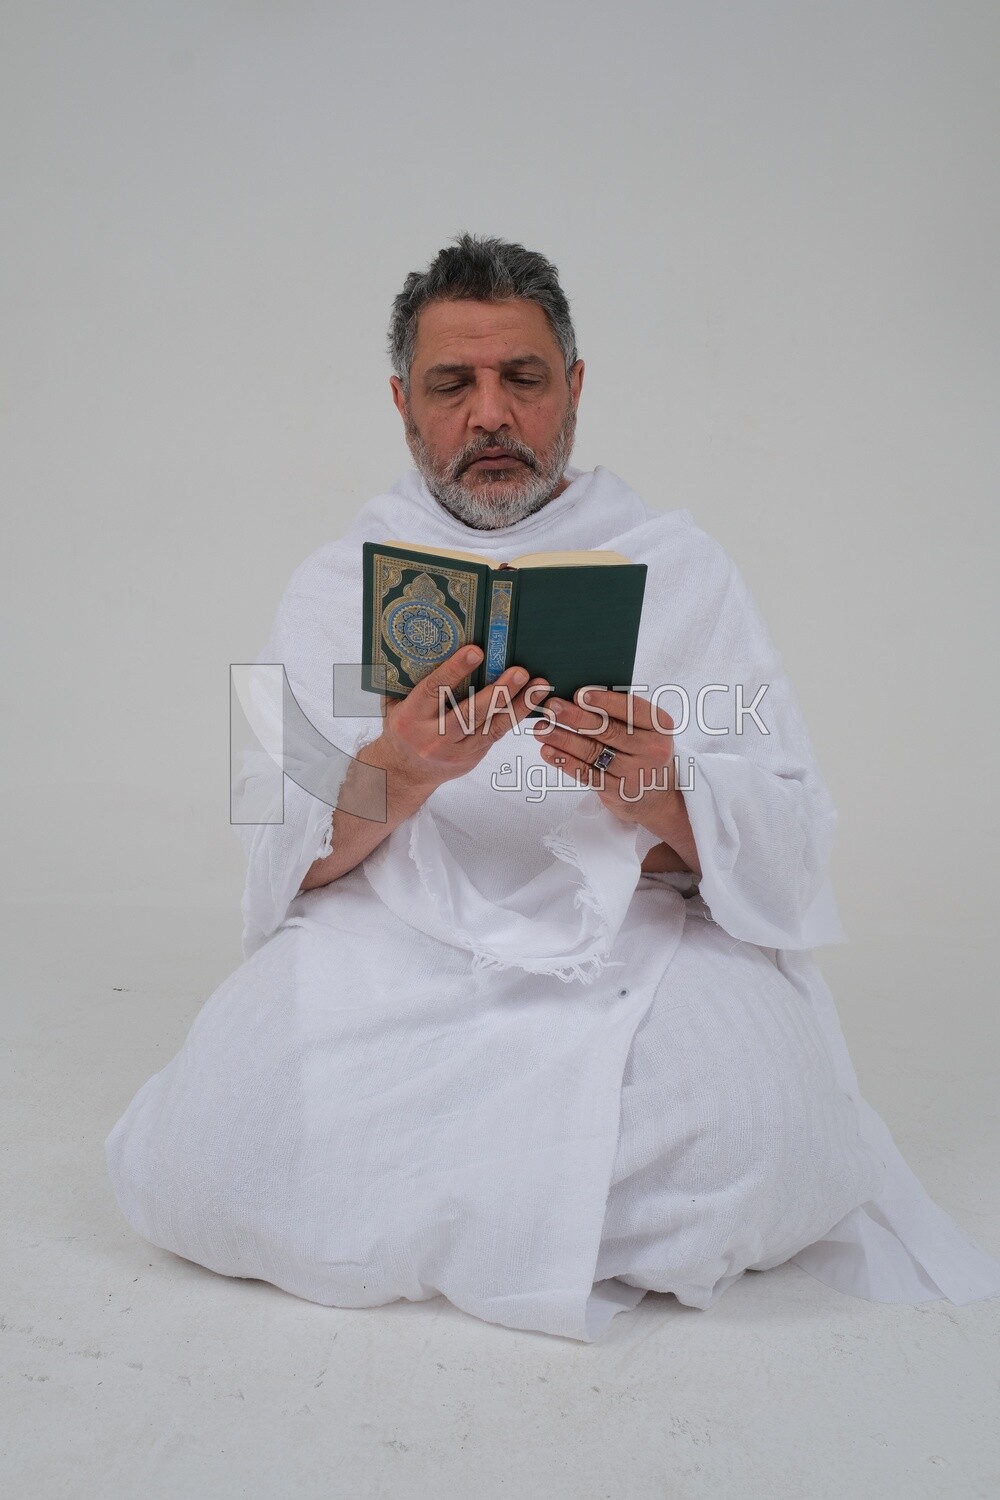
(518, 362)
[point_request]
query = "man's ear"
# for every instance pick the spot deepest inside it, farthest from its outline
(576, 382)
(399, 399)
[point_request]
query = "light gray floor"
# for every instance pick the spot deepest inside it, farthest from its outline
(129, 1372)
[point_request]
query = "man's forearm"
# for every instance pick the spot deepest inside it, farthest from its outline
(355, 837)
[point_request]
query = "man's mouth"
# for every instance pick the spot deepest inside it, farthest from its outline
(494, 461)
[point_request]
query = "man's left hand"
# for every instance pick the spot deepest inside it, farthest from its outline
(638, 785)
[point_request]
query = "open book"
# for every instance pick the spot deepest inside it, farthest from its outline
(571, 617)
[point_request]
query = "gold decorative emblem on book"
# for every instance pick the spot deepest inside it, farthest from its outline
(419, 628)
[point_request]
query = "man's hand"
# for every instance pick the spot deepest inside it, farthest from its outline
(423, 744)
(638, 785)
(428, 743)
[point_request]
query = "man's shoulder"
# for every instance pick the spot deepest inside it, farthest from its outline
(666, 536)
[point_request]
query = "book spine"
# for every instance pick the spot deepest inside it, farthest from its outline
(512, 660)
(370, 680)
(498, 636)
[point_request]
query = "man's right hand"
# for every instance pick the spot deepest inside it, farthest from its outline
(423, 744)
(426, 741)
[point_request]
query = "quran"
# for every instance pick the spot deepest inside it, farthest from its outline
(570, 617)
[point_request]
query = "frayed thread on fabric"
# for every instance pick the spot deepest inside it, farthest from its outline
(326, 847)
(366, 737)
(583, 972)
(585, 894)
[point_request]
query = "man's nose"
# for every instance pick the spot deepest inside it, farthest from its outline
(489, 408)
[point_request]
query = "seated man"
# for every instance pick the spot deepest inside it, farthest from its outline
(536, 1054)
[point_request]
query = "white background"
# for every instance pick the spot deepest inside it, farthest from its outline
(777, 227)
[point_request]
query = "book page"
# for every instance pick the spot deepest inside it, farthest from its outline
(526, 560)
(475, 557)
(568, 559)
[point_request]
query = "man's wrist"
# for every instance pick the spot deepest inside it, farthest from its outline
(670, 822)
(406, 783)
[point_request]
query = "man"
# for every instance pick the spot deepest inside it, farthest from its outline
(538, 1054)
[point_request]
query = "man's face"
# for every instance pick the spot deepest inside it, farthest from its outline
(490, 415)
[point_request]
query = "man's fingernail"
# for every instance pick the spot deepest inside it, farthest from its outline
(472, 654)
(520, 677)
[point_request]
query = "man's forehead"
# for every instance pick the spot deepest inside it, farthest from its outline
(460, 332)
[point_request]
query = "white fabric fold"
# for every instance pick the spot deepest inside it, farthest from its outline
(901, 1246)
(280, 854)
(561, 921)
(763, 858)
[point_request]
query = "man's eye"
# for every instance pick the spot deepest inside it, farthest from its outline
(447, 390)
(524, 380)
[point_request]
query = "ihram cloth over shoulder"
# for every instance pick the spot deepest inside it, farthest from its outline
(452, 1019)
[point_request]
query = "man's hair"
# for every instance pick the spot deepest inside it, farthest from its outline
(478, 269)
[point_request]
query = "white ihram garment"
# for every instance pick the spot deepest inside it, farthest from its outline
(495, 1061)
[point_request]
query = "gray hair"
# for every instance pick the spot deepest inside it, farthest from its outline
(478, 269)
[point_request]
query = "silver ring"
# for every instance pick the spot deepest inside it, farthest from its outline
(604, 760)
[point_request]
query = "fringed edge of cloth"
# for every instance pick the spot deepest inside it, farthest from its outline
(485, 959)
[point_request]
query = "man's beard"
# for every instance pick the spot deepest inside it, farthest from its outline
(494, 503)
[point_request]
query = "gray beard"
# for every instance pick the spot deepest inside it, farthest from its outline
(492, 506)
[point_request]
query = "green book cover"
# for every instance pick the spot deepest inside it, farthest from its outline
(571, 617)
